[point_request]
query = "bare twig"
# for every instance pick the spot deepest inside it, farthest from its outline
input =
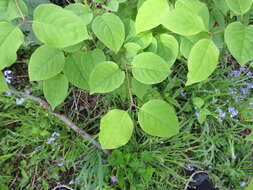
(63, 118)
(191, 178)
(63, 186)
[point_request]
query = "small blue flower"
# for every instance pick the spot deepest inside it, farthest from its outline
(233, 111)
(242, 69)
(249, 74)
(60, 164)
(232, 90)
(190, 168)
(210, 166)
(235, 73)
(217, 90)
(242, 183)
(114, 179)
(8, 93)
(7, 72)
(197, 114)
(183, 93)
(71, 182)
(233, 157)
(27, 92)
(221, 112)
(55, 134)
(50, 140)
(20, 101)
(250, 86)
(244, 91)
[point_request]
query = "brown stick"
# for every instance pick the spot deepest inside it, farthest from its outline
(63, 118)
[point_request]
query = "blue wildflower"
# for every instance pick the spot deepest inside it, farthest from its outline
(27, 92)
(50, 140)
(221, 112)
(183, 93)
(242, 69)
(197, 114)
(244, 91)
(217, 90)
(8, 93)
(190, 168)
(8, 77)
(233, 111)
(232, 90)
(20, 101)
(250, 86)
(242, 183)
(233, 157)
(249, 74)
(235, 73)
(114, 179)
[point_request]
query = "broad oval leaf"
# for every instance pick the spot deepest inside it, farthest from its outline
(56, 90)
(110, 30)
(167, 48)
(45, 63)
(149, 68)
(187, 42)
(58, 27)
(195, 7)
(11, 38)
(150, 14)
(9, 10)
(239, 7)
(238, 38)
(106, 77)
(202, 61)
(116, 129)
(183, 22)
(3, 85)
(158, 118)
(83, 11)
(79, 65)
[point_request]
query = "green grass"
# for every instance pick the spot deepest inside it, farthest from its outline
(28, 161)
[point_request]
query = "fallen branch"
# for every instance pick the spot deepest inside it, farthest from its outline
(61, 117)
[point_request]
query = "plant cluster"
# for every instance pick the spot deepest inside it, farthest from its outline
(172, 65)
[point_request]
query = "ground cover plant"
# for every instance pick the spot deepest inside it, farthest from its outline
(139, 94)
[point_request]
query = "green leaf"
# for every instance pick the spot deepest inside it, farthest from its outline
(203, 115)
(106, 77)
(202, 61)
(3, 85)
(149, 68)
(197, 101)
(250, 186)
(58, 27)
(195, 7)
(11, 38)
(150, 14)
(239, 7)
(250, 137)
(9, 10)
(238, 38)
(110, 30)
(143, 39)
(45, 63)
(158, 118)
(183, 22)
(131, 49)
(167, 48)
(79, 65)
(116, 129)
(83, 11)
(56, 90)
(187, 42)
(139, 89)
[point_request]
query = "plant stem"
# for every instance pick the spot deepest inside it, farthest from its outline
(19, 10)
(63, 118)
